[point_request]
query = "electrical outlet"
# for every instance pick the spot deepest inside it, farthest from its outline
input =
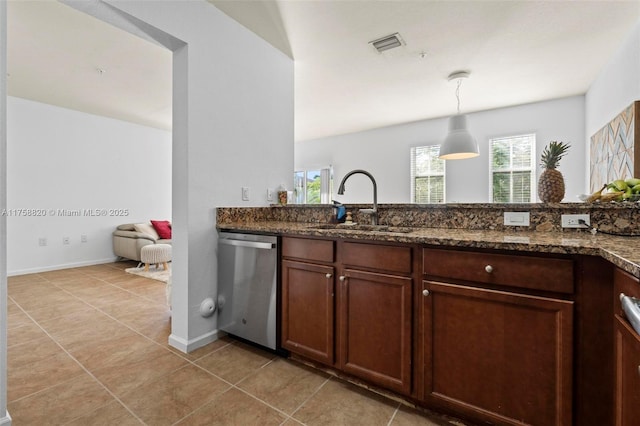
(42, 242)
(66, 241)
(573, 220)
(269, 194)
(516, 218)
(83, 238)
(245, 193)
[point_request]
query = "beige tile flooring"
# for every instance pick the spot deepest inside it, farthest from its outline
(88, 346)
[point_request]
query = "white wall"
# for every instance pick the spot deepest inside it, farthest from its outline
(385, 151)
(233, 127)
(617, 85)
(615, 88)
(5, 418)
(65, 160)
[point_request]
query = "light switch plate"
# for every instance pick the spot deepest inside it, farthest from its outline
(516, 218)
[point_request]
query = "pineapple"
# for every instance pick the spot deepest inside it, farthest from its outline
(551, 182)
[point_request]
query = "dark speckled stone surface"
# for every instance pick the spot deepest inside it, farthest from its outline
(472, 226)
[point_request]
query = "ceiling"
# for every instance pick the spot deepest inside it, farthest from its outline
(61, 56)
(516, 51)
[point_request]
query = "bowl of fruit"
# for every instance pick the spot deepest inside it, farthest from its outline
(616, 191)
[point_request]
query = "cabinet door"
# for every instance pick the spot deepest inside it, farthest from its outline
(308, 310)
(375, 328)
(500, 357)
(627, 390)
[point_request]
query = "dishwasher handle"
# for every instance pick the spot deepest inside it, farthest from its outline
(250, 244)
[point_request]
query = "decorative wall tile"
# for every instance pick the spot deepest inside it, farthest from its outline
(615, 149)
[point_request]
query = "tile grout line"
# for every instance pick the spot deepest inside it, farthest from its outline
(393, 416)
(287, 416)
(231, 385)
(82, 275)
(119, 322)
(83, 368)
(310, 396)
(191, 362)
(236, 387)
(114, 318)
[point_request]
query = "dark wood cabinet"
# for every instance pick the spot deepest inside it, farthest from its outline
(360, 321)
(308, 310)
(498, 356)
(627, 361)
(308, 298)
(375, 311)
(627, 355)
(492, 336)
(494, 355)
(375, 328)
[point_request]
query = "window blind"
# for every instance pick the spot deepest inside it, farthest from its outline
(427, 175)
(512, 166)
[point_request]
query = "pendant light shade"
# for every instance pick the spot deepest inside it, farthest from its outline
(459, 143)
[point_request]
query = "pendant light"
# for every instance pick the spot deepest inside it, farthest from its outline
(459, 143)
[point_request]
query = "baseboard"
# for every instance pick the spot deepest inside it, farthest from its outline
(187, 346)
(6, 420)
(58, 267)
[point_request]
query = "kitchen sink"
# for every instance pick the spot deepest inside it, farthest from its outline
(366, 228)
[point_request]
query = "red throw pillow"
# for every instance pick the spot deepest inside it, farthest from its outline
(163, 228)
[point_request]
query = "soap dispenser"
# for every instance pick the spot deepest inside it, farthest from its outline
(339, 212)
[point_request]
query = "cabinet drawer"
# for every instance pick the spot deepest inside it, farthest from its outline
(308, 249)
(377, 257)
(539, 273)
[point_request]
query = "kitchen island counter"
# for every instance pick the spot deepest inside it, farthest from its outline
(623, 252)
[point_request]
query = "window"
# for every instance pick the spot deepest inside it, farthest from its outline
(512, 169)
(313, 186)
(427, 175)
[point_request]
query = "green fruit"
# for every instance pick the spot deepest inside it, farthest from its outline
(636, 189)
(620, 184)
(632, 181)
(627, 194)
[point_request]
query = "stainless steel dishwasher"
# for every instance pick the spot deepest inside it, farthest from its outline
(247, 286)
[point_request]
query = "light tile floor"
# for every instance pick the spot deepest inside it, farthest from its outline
(88, 346)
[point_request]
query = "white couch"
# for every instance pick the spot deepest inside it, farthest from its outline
(128, 240)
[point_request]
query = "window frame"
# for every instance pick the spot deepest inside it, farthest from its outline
(415, 175)
(514, 169)
(326, 184)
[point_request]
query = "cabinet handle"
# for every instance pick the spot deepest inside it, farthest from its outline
(328, 275)
(489, 269)
(342, 278)
(639, 370)
(425, 292)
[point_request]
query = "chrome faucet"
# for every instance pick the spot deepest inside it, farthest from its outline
(374, 211)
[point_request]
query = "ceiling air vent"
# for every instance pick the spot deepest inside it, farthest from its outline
(387, 42)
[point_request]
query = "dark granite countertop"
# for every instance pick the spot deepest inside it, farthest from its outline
(623, 252)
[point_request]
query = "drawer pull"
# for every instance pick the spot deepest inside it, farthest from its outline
(489, 269)
(425, 292)
(639, 370)
(342, 278)
(328, 275)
